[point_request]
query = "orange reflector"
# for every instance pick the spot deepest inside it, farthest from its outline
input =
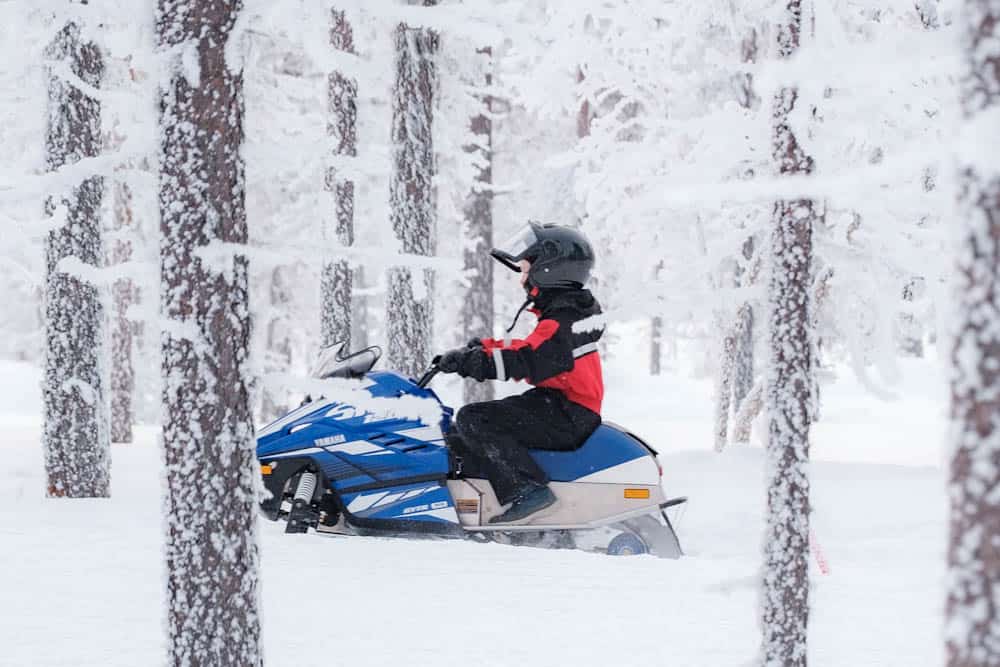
(265, 469)
(639, 494)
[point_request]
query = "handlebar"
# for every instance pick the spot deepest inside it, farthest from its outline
(426, 378)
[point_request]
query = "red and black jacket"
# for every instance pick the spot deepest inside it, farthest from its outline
(561, 353)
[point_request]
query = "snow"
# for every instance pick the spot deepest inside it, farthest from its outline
(84, 578)
(648, 127)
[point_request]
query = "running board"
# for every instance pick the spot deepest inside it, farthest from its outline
(509, 527)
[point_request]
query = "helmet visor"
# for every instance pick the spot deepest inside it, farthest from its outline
(516, 248)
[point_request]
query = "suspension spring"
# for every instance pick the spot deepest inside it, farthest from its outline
(307, 485)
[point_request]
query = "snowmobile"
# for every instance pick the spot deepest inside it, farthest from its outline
(342, 469)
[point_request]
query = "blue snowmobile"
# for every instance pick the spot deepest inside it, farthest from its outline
(337, 468)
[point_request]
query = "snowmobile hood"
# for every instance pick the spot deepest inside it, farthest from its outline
(379, 384)
(360, 442)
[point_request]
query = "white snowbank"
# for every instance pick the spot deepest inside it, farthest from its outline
(84, 578)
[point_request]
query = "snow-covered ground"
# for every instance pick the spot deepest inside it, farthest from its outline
(83, 578)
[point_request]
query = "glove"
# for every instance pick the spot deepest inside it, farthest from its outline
(451, 361)
(474, 343)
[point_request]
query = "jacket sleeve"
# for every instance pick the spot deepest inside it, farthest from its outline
(545, 353)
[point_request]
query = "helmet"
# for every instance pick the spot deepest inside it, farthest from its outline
(560, 256)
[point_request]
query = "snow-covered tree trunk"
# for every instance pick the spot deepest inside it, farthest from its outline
(656, 333)
(75, 432)
(409, 302)
(336, 280)
(973, 604)
(746, 96)
(123, 295)
(749, 268)
(743, 360)
(743, 363)
(119, 238)
(278, 344)
(210, 507)
(359, 310)
(477, 311)
(655, 345)
(724, 389)
(911, 342)
(911, 338)
(736, 349)
(585, 114)
(789, 389)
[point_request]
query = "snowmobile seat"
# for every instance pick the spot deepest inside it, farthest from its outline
(608, 446)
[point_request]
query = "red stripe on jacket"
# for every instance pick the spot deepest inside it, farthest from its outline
(582, 384)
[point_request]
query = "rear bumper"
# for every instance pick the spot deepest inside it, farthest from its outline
(673, 502)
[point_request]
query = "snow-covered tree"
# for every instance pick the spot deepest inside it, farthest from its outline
(336, 282)
(278, 337)
(973, 603)
(120, 238)
(210, 506)
(790, 383)
(410, 297)
(123, 295)
(477, 312)
(75, 437)
(748, 263)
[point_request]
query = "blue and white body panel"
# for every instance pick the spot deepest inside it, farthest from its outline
(412, 502)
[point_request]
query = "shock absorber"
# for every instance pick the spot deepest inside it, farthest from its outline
(302, 515)
(307, 486)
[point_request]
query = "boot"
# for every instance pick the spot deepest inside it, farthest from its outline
(533, 499)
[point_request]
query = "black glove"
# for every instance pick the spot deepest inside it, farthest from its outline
(451, 361)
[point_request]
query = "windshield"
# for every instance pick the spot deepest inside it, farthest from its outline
(334, 361)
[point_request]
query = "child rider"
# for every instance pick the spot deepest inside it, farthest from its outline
(560, 358)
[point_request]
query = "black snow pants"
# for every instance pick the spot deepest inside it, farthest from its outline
(493, 437)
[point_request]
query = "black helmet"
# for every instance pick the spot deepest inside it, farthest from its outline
(560, 256)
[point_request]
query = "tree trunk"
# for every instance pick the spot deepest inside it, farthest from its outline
(359, 311)
(656, 331)
(789, 390)
(743, 371)
(409, 306)
(336, 283)
(656, 345)
(736, 363)
(278, 351)
(743, 361)
(752, 404)
(210, 468)
(749, 268)
(75, 432)
(724, 390)
(911, 340)
(584, 115)
(911, 330)
(972, 627)
(477, 312)
(123, 295)
(746, 95)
